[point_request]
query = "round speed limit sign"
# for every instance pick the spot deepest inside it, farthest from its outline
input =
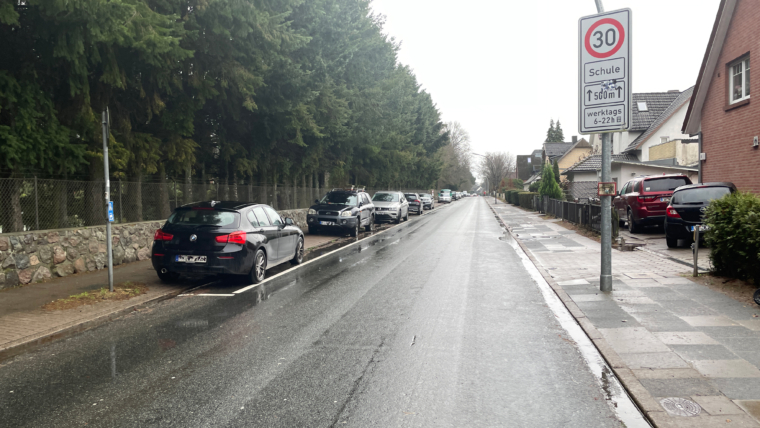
(604, 38)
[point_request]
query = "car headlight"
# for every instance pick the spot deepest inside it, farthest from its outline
(312, 211)
(345, 214)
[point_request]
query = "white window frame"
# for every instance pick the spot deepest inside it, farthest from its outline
(745, 66)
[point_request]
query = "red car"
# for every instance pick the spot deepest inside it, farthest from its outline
(643, 200)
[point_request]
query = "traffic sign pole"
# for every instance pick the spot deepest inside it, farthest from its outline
(604, 86)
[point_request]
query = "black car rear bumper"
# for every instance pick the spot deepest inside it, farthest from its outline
(216, 263)
(678, 229)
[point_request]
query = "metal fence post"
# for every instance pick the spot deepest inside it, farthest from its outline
(175, 195)
(121, 212)
(36, 204)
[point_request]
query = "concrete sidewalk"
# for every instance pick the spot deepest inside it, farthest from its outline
(689, 356)
(25, 325)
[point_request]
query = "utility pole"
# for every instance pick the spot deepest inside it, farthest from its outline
(109, 206)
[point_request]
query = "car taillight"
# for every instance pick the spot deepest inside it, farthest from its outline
(672, 213)
(160, 235)
(238, 237)
(647, 198)
(417, 200)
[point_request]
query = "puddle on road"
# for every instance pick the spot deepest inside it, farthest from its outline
(617, 398)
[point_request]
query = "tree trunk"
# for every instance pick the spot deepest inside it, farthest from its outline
(250, 189)
(327, 180)
(187, 195)
(135, 198)
(63, 202)
(295, 193)
(312, 187)
(12, 219)
(164, 207)
(234, 187)
(204, 183)
(275, 203)
(224, 180)
(304, 193)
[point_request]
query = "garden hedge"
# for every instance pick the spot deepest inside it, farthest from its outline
(734, 235)
(526, 199)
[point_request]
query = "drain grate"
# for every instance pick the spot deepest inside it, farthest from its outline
(678, 406)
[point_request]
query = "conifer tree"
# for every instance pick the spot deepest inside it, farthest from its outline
(555, 170)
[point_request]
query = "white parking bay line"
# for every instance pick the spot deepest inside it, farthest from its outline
(215, 295)
(244, 289)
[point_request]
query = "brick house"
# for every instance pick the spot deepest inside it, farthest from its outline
(720, 112)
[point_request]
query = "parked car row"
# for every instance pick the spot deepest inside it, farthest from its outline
(671, 201)
(247, 239)
(447, 196)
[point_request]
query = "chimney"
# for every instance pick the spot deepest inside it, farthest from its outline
(575, 139)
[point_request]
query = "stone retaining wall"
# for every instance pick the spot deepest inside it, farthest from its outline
(34, 256)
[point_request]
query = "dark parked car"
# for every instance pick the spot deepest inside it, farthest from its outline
(342, 209)
(687, 206)
(225, 238)
(415, 202)
(642, 201)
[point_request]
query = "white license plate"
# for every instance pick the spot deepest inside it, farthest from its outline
(190, 259)
(701, 227)
(327, 223)
(664, 199)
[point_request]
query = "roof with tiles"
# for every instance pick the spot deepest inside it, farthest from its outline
(657, 103)
(554, 150)
(676, 104)
(594, 163)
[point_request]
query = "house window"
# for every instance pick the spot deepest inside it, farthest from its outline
(739, 75)
(642, 106)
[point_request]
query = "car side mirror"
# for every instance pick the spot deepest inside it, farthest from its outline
(316, 201)
(360, 204)
(289, 221)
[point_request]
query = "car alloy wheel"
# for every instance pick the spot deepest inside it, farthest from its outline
(632, 226)
(298, 258)
(258, 272)
(355, 231)
(398, 218)
(370, 227)
(756, 296)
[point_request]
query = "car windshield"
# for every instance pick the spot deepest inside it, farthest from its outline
(411, 196)
(204, 217)
(386, 197)
(664, 184)
(425, 195)
(339, 198)
(699, 195)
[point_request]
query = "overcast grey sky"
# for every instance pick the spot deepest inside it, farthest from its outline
(504, 68)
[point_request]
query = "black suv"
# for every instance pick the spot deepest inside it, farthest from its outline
(686, 208)
(346, 209)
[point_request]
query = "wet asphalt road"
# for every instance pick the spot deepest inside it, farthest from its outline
(434, 323)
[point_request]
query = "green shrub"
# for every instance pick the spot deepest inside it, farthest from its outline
(518, 184)
(534, 186)
(734, 235)
(515, 198)
(526, 200)
(549, 186)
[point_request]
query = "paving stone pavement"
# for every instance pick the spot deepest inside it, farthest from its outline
(665, 336)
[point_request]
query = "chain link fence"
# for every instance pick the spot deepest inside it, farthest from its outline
(40, 204)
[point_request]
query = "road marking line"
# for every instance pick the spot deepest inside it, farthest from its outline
(244, 289)
(215, 295)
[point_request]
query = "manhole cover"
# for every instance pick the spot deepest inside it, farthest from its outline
(677, 406)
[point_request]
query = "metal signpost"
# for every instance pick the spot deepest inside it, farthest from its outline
(109, 204)
(604, 97)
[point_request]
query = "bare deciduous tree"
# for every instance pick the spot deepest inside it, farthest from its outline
(496, 166)
(456, 158)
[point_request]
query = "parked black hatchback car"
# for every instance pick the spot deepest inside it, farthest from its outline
(342, 209)
(225, 238)
(687, 206)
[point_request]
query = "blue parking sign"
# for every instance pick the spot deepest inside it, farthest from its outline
(110, 211)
